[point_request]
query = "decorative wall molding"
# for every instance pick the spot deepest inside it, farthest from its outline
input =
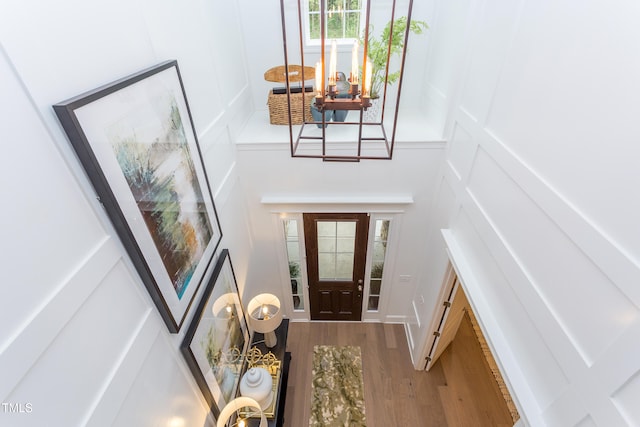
(613, 260)
(117, 385)
(567, 408)
(410, 341)
(383, 200)
(534, 305)
(44, 325)
(220, 124)
(224, 189)
(416, 313)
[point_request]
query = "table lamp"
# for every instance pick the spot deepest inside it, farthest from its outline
(265, 316)
(234, 406)
(224, 306)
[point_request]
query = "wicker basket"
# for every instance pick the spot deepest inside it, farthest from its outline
(279, 114)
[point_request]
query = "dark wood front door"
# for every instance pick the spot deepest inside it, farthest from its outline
(336, 246)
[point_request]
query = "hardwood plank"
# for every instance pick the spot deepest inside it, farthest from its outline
(471, 382)
(390, 336)
(453, 408)
(395, 393)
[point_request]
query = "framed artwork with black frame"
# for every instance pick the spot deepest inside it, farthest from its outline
(136, 141)
(218, 337)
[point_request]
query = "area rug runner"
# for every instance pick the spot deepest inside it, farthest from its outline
(337, 397)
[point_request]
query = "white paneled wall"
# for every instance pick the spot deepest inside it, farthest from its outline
(81, 342)
(275, 183)
(543, 166)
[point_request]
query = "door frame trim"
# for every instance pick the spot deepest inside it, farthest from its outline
(393, 211)
(439, 312)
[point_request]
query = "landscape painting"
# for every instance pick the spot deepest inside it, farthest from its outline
(158, 167)
(218, 337)
(136, 141)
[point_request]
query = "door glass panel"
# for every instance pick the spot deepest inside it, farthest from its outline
(326, 244)
(336, 248)
(326, 229)
(377, 264)
(293, 255)
(346, 229)
(326, 266)
(344, 266)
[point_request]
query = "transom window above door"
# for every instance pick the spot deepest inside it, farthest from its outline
(344, 21)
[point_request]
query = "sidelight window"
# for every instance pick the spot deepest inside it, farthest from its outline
(381, 236)
(292, 240)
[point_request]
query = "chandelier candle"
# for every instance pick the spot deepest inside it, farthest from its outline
(355, 66)
(332, 70)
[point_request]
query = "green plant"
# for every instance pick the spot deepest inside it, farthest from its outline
(376, 270)
(378, 48)
(294, 269)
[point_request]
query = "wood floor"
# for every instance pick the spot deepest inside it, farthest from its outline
(458, 391)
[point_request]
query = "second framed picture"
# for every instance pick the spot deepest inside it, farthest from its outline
(218, 337)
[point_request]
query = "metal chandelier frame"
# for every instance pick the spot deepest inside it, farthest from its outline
(310, 140)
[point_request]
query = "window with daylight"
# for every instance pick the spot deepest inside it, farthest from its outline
(293, 256)
(336, 249)
(344, 20)
(377, 263)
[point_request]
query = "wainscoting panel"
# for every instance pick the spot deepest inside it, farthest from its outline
(496, 305)
(82, 342)
(162, 370)
(603, 251)
(626, 399)
(537, 242)
(117, 384)
(72, 379)
(487, 55)
(462, 150)
(586, 422)
(545, 230)
(41, 330)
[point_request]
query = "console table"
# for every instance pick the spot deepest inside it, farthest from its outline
(281, 353)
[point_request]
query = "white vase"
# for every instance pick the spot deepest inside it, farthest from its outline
(257, 384)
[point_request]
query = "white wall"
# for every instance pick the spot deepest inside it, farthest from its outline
(310, 185)
(540, 197)
(267, 170)
(81, 341)
(539, 101)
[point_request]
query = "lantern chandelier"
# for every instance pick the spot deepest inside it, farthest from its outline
(340, 128)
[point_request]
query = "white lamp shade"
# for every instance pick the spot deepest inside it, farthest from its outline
(237, 404)
(223, 306)
(264, 313)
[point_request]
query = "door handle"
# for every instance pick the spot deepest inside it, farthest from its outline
(359, 288)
